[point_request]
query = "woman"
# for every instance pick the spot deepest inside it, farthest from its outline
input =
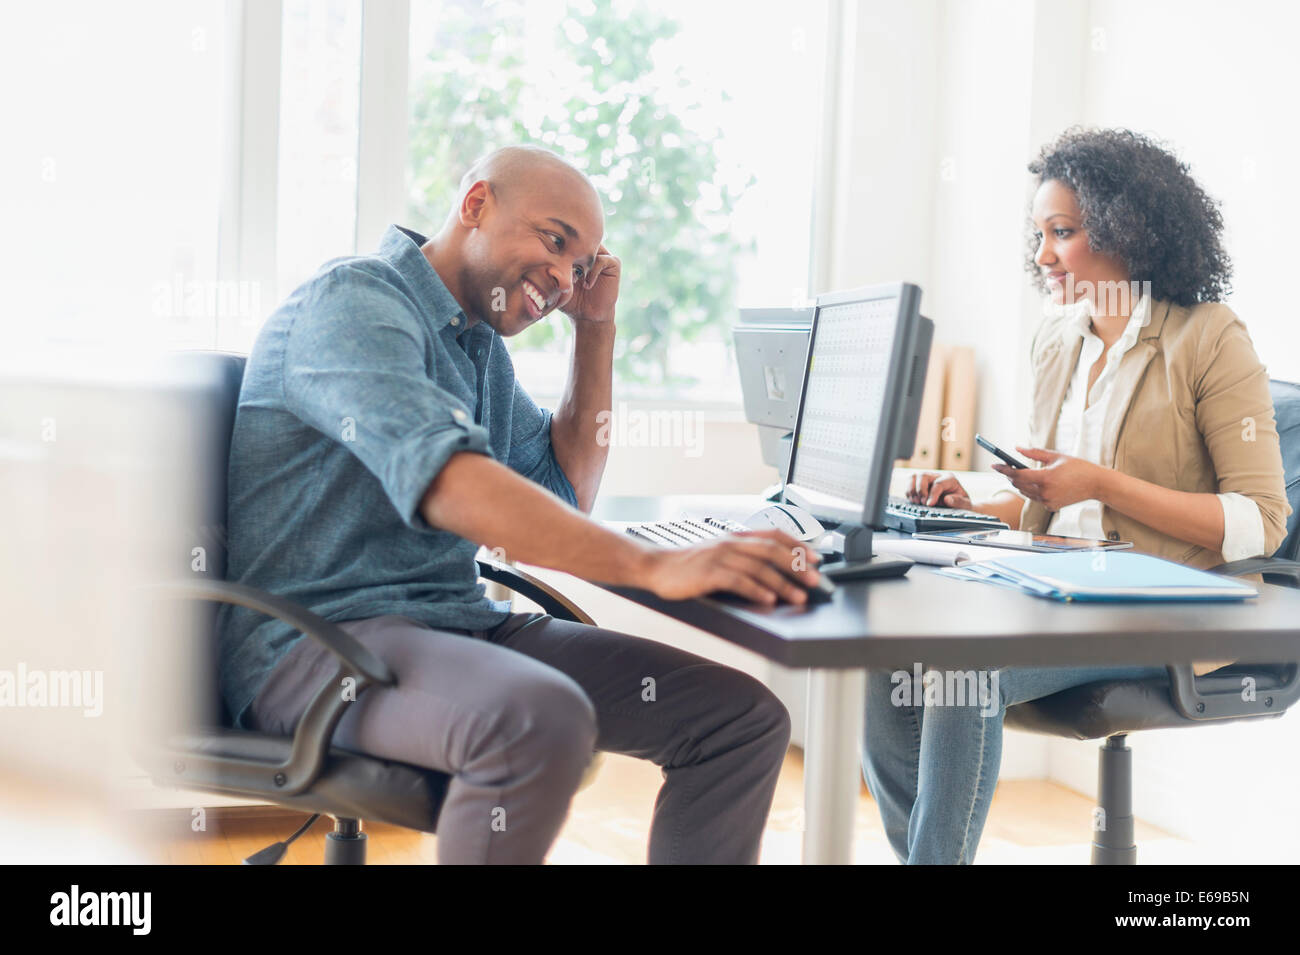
(1152, 423)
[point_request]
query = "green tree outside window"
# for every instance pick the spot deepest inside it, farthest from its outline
(667, 203)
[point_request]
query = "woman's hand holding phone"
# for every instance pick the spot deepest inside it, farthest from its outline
(1061, 481)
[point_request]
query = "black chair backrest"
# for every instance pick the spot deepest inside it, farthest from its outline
(216, 378)
(1286, 407)
(219, 376)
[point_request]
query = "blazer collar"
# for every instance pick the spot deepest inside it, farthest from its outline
(1159, 312)
(1058, 362)
(1127, 378)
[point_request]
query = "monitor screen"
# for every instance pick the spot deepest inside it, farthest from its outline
(858, 371)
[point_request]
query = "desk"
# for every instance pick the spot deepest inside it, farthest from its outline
(943, 622)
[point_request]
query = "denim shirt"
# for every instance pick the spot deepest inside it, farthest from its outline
(358, 390)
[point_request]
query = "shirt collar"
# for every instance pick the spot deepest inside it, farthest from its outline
(400, 247)
(1138, 320)
(1078, 319)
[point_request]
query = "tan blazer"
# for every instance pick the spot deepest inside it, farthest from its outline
(1200, 419)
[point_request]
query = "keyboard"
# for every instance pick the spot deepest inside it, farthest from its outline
(687, 530)
(902, 515)
(684, 531)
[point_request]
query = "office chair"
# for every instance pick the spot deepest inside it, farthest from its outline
(303, 771)
(1114, 708)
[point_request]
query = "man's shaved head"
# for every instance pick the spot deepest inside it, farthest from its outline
(511, 167)
(526, 226)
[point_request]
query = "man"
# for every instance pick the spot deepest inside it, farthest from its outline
(381, 437)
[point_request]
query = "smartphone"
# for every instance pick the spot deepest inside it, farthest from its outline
(993, 449)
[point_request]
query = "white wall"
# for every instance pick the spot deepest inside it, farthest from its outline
(883, 162)
(978, 293)
(718, 453)
(948, 102)
(1217, 81)
(1231, 788)
(949, 99)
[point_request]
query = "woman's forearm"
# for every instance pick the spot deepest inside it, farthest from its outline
(1193, 517)
(1005, 506)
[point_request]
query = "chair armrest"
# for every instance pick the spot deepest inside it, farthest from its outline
(311, 737)
(1201, 703)
(1278, 567)
(538, 591)
(339, 642)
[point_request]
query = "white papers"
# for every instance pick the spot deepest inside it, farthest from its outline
(941, 553)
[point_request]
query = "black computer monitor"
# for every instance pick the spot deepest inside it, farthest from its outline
(861, 397)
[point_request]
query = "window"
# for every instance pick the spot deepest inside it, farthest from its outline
(698, 123)
(112, 163)
(320, 95)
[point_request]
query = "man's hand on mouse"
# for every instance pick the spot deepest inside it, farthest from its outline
(762, 566)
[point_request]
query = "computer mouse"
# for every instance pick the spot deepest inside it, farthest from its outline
(822, 591)
(793, 520)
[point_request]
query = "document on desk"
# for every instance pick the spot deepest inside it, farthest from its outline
(940, 553)
(1102, 576)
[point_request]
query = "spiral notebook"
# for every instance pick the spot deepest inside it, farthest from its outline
(1088, 575)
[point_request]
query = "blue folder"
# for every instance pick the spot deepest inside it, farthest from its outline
(1102, 575)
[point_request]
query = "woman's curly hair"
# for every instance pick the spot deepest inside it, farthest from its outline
(1141, 205)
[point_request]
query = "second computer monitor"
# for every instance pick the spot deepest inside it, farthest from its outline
(861, 395)
(771, 351)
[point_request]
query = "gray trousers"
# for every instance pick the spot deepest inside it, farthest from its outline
(514, 714)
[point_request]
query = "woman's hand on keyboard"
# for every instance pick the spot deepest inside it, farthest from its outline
(762, 566)
(937, 490)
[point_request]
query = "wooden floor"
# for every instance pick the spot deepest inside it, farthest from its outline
(1031, 822)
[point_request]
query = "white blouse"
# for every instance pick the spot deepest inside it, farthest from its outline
(1078, 433)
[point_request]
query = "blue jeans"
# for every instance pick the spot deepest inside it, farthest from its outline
(932, 749)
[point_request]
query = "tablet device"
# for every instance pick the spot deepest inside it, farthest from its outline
(1023, 540)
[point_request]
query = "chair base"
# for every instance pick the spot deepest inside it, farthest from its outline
(346, 845)
(1112, 822)
(1104, 855)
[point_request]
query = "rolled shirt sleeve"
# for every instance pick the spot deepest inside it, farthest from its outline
(355, 371)
(1243, 528)
(1234, 413)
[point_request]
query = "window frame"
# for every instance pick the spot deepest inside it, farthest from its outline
(248, 224)
(246, 230)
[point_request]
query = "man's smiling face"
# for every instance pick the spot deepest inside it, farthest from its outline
(534, 237)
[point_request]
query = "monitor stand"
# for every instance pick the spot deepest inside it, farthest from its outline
(857, 562)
